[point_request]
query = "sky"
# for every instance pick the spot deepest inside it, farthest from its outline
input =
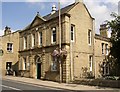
(17, 15)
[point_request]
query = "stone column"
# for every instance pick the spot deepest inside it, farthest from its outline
(66, 68)
(43, 66)
(32, 66)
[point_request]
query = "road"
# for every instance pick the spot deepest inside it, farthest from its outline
(14, 86)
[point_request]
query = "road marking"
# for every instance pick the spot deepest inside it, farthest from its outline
(10, 87)
(36, 85)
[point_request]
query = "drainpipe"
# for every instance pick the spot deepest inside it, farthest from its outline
(94, 48)
(60, 40)
(71, 56)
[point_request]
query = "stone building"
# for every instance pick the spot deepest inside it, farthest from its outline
(39, 39)
(101, 51)
(81, 53)
(9, 51)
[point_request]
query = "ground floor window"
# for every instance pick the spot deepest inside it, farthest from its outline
(54, 64)
(106, 68)
(8, 65)
(24, 64)
(90, 62)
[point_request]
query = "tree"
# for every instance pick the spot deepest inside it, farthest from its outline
(114, 26)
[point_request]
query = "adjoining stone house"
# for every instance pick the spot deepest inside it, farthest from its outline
(101, 51)
(39, 39)
(9, 51)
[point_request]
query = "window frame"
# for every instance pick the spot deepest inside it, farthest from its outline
(24, 63)
(106, 49)
(25, 42)
(40, 38)
(54, 64)
(89, 37)
(33, 40)
(91, 62)
(8, 64)
(72, 33)
(106, 68)
(9, 48)
(102, 45)
(53, 34)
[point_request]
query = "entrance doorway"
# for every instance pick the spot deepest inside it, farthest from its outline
(38, 70)
(38, 67)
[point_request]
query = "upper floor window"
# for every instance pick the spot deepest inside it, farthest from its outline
(106, 49)
(40, 38)
(25, 42)
(10, 47)
(102, 48)
(72, 32)
(33, 40)
(53, 37)
(90, 62)
(89, 37)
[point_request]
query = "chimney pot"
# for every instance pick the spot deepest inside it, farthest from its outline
(7, 30)
(53, 9)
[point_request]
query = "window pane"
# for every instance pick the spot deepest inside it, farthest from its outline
(72, 33)
(89, 37)
(54, 35)
(54, 64)
(33, 39)
(25, 64)
(90, 62)
(40, 38)
(102, 48)
(9, 47)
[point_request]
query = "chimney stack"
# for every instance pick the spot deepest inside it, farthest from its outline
(53, 9)
(78, 1)
(104, 30)
(7, 30)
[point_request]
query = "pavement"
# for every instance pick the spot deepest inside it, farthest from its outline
(56, 84)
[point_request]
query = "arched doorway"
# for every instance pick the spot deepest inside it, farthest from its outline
(38, 68)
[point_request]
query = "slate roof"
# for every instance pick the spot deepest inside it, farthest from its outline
(56, 14)
(50, 16)
(97, 36)
(63, 11)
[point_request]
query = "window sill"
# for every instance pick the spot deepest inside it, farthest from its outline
(72, 41)
(40, 46)
(53, 43)
(8, 52)
(89, 45)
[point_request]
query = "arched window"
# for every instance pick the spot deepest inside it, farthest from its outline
(53, 36)
(25, 42)
(24, 63)
(33, 40)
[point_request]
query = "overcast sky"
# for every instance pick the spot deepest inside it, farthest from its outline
(19, 14)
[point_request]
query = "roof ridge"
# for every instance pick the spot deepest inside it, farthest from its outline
(63, 10)
(38, 15)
